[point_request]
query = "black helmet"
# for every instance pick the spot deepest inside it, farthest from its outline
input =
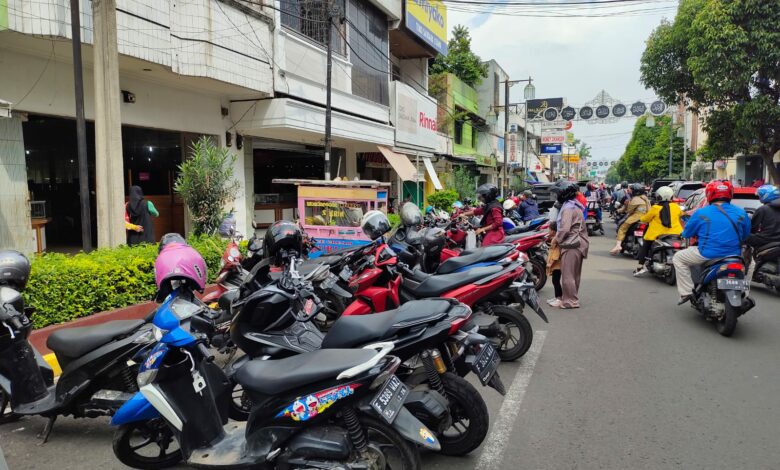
(375, 224)
(169, 238)
(14, 269)
(487, 192)
(565, 190)
(282, 237)
(410, 214)
(637, 189)
(624, 184)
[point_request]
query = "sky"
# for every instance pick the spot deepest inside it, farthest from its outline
(574, 58)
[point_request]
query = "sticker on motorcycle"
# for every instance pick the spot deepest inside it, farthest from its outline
(306, 408)
(426, 435)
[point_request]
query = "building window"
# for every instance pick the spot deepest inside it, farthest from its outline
(458, 132)
(369, 52)
(310, 18)
(473, 137)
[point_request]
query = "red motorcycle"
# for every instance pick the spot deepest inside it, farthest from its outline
(534, 244)
(496, 293)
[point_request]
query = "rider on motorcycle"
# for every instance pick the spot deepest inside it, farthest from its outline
(593, 195)
(720, 228)
(637, 207)
(765, 225)
(528, 210)
(663, 219)
(492, 215)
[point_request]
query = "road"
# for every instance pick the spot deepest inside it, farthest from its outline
(629, 381)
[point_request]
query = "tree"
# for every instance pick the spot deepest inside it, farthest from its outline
(206, 184)
(464, 182)
(723, 57)
(460, 60)
(647, 153)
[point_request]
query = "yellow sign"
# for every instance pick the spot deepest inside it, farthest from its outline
(571, 157)
(569, 137)
(428, 20)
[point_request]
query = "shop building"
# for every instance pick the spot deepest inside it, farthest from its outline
(180, 67)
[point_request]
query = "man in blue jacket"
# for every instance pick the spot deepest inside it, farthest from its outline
(720, 228)
(528, 209)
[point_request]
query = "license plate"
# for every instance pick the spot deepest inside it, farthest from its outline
(639, 233)
(390, 399)
(736, 284)
(345, 274)
(487, 363)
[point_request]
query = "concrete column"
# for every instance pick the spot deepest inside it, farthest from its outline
(109, 166)
(249, 185)
(240, 206)
(15, 229)
(351, 161)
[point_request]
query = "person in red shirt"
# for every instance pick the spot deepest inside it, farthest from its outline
(492, 215)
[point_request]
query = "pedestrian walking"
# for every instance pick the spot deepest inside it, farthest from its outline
(572, 238)
(138, 218)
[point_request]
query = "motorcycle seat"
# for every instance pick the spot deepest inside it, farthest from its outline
(725, 259)
(77, 341)
(477, 255)
(668, 238)
(770, 250)
(357, 330)
(520, 236)
(272, 377)
(438, 284)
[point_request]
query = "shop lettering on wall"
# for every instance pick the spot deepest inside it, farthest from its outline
(332, 209)
(407, 114)
(414, 116)
(427, 123)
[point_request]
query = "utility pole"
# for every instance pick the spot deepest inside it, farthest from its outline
(81, 129)
(328, 85)
(671, 128)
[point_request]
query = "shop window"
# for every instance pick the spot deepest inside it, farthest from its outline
(335, 213)
(459, 132)
(369, 52)
(310, 18)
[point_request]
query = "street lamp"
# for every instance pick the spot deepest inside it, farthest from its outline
(529, 92)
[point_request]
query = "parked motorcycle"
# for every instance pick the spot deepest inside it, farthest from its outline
(661, 253)
(331, 408)
(720, 292)
(767, 270)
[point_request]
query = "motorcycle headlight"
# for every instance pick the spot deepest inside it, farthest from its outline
(158, 333)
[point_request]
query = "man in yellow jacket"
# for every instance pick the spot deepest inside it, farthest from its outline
(662, 219)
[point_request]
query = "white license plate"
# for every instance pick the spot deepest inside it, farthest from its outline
(736, 284)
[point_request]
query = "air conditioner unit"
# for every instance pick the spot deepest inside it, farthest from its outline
(5, 109)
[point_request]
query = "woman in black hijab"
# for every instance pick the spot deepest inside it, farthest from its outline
(139, 213)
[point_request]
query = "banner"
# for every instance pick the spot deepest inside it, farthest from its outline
(428, 20)
(536, 108)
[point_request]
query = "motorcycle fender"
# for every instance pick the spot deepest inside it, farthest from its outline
(530, 298)
(411, 429)
(734, 297)
(133, 410)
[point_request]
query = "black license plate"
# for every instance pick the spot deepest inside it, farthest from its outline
(390, 399)
(729, 283)
(345, 274)
(487, 363)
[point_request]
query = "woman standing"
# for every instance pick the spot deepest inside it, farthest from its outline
(572, 237)
(492, 214)
(138, 213)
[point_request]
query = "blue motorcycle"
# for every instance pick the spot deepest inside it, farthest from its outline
(720, 292)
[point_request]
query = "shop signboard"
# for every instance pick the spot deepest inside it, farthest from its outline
(512, 147)
(414, 116)
(552, 149)
(536, 108)
(553, 136)
(557, 124)
(427, 19)
(486, 160)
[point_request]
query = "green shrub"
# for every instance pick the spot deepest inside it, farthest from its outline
(443, 199)
(65, 287)
(394, 219)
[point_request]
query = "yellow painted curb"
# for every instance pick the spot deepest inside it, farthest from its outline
(52, 360)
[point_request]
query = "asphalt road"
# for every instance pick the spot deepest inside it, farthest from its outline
(629, 381)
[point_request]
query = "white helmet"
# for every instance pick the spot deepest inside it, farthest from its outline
(509, 204)
(664, 193)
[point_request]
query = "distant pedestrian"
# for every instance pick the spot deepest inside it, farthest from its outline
(138, 218)
(572, 238)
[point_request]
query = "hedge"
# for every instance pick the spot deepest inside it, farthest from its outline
(65, 287)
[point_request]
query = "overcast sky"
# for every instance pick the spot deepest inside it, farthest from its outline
(570, 57)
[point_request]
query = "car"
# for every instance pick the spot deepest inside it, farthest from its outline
(745, 198)
(683, 189)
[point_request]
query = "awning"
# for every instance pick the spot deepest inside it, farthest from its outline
(432, 173)
(406, 171)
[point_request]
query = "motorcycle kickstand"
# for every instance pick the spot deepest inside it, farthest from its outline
(47, 430)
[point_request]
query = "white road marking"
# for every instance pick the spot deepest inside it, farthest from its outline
(493, 452)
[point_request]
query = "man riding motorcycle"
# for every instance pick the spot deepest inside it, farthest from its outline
(528, 209)
(492, 215)
(720, 228)
(663, 219)
(638, 206)
(765, 225)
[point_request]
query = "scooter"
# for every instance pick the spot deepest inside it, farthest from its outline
(767, 270)
(592, 222)
(661, 253)
(98, 373)
(634, 239)
(720, 292)
(334, 408)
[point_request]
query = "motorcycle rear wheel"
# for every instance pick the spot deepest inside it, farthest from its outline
(671, 277)
(470, 417)
(519, 333)
(6, 415)
(155, 433)
(728, 323)
(397, 452)
(540, 273)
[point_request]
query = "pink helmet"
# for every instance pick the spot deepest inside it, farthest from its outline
(178, 262)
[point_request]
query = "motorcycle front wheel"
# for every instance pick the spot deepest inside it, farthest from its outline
(728, 323)
(146, 445)
(516, 335)
(539, 270)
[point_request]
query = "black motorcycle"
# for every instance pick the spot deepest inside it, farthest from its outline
(98, 372)
(274, 322)
(661, 253)
(634, 239)
(767, 270)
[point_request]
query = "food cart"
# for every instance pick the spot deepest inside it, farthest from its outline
(331, 211)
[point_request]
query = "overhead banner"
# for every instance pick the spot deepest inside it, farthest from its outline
(428, 20)
(553, 136)
(536, 108)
